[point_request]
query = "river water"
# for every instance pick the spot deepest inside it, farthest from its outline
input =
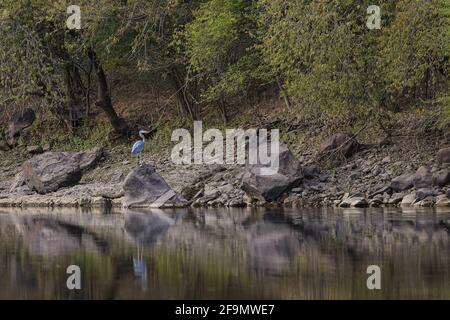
(225, 253)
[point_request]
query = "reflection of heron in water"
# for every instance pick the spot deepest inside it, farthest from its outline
(145, 228)
(140, 267)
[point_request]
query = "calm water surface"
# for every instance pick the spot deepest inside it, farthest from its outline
(225, 254)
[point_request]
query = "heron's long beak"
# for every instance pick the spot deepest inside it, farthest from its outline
(145, 132)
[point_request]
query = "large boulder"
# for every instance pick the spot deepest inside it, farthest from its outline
(442, 201)
(424, 193)
(50, 171)
(339, 144)
(88, 159)
(403, 182)
(441, 177)
(144, 188)
(271, 187)
(443, 156)
(19, 121)
(423, 177)
(408, 200)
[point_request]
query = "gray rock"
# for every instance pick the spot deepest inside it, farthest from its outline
(271, 187)
(192, 191)
(423, 177)
(403, 182)
(143, 187)
(311, 171)
(50, 171)
(424, 192)
(427, 202)
(209, 197)
(408, 200)
(236, 203)
(442, 201)
(88, 159)
(396, 198)
(18, 181)
(386, 159)
(339, 144)
(356, 201)
(381, 190)
(442, 177)
(443, 156)
(225, 188)
(376, 202)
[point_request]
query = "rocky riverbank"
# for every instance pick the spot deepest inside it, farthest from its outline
(341, 172)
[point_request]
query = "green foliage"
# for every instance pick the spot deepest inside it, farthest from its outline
(29, 48)
(221, 46)
(414, 50)
(332, 63)
(318, 53)
(444, 111)
(324, 51)
(85, 138)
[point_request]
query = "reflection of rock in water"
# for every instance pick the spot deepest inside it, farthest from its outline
(51, 240)
(366, 231)
(272, 246)
(270, 243)
(147, 227)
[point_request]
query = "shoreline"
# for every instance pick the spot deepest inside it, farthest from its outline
(379, 176)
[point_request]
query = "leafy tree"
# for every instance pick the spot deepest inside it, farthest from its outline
(333, 64)
(325, 53)
(52, 63)
(414, 51)
(221, 47)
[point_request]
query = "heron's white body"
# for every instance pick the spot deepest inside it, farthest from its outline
(138, 146)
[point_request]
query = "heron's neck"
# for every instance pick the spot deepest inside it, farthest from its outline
(142, 136)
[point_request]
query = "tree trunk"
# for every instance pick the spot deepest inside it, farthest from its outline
(181, 93)
(223, 111)
(287, 100)
(75, 95)
(104, 99)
